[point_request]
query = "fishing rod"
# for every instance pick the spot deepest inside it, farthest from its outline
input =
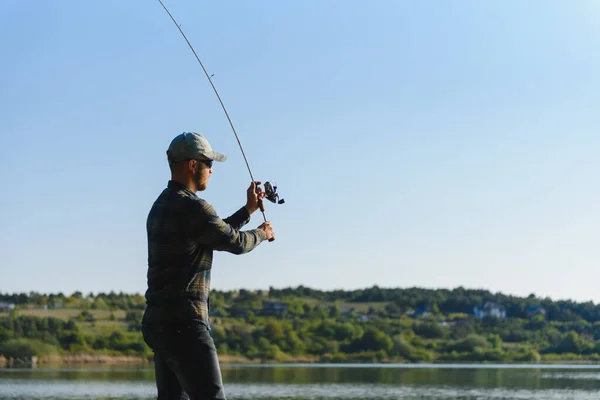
(270, 188)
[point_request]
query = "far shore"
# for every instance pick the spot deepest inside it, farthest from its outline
(99, 360)
(107, 360)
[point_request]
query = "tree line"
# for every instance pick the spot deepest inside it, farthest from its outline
(321, 326)
(26, 336)
(400, 300)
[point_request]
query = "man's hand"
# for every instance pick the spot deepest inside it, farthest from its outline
(268, 229)
(254, 194)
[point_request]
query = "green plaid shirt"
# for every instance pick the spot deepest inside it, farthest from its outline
(183, 231)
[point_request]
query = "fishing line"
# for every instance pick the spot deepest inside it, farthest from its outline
(220, 101)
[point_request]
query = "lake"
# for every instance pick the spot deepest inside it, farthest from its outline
(303, 382)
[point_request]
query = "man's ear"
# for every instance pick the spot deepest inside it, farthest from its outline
(192, 166)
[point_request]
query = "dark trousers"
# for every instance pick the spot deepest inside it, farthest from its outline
(185, 362)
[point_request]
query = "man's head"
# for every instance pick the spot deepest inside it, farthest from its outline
(190, 158)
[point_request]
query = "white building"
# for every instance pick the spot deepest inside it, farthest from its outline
(490, 309)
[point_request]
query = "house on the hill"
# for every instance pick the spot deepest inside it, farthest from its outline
(421, 312)
(6, 307)
(238, 312)
(371, 314)
(274, 308)
(490, 309)
(532, 311)
(347, 312)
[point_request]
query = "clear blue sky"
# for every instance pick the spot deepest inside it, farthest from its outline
(433, 144)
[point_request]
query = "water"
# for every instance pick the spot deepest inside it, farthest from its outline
(302, 382)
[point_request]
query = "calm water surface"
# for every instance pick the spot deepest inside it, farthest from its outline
(301, 382)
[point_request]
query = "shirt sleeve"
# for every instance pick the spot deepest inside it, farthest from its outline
(238, 219)
(214, 232)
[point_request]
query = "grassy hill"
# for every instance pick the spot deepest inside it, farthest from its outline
(302, 324)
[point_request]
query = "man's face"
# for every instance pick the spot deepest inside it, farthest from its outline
(202, 174)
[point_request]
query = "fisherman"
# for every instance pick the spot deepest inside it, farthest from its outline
(183, 230)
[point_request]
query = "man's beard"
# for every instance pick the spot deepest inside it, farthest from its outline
(197, 178)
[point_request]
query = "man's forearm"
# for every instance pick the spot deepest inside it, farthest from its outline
(242, 242)
(239, 218)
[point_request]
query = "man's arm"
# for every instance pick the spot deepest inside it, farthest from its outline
(239, 218)
(242, 216)
(221, 236)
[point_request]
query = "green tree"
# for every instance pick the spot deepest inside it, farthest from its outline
(72, 340)
(495, 341)
(295, 345)
(429, 330)
(273, 331)
(373, 340)
(263, 344)
(401, 347)
(99, 304)
(334, 311)
(218, 333)
(571, 343)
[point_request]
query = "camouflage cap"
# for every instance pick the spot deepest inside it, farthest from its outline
(190, 145)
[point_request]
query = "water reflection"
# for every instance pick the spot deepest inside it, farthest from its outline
(323, 382)
(514, 377)
(145, 391)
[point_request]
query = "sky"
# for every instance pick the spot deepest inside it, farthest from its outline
(431, 144)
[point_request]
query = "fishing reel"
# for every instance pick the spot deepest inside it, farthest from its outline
(271, 193)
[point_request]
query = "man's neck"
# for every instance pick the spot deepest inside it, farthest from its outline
(189, 183)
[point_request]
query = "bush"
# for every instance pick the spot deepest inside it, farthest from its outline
(5, 334)
(429, 330)
(85, 315)
(26, 348)
(134, 316)
(529, 356)
(273, 353)
(469, 344)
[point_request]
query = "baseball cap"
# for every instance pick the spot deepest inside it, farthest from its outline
(190, 145)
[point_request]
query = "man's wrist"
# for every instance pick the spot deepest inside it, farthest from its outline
(251, 209)
(262, 234)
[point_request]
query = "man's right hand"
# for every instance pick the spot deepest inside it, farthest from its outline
(268, 229)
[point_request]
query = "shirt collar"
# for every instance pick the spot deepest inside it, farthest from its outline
(179, 186)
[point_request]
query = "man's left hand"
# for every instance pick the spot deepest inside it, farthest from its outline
(254, 194)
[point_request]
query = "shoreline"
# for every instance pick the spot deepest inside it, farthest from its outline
(101, 360)
(121, 360)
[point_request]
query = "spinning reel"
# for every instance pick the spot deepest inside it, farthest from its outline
(272, 196)
(271, 193)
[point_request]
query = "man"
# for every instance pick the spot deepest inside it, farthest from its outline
(183, 231)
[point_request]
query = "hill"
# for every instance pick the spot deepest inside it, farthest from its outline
(302, 324)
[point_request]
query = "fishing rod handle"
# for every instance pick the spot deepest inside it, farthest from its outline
(261, 206)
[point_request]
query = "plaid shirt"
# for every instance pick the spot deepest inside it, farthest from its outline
(183, 231)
